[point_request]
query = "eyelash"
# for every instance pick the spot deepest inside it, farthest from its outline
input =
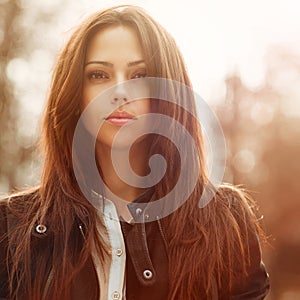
(94, 75)
(100, 75)
(140, 74)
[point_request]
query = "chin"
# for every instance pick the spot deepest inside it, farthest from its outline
(120, 144)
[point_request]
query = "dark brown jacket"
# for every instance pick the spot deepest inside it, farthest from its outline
(146, 249)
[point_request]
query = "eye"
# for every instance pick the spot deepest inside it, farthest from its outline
(97, 75)
(139, 74)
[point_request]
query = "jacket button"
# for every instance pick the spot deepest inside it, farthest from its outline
(147, 274)
(119, 252)
(41, 228)
(116, 295)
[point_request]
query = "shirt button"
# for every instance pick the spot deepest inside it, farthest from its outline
(115, 295)
(119, 252)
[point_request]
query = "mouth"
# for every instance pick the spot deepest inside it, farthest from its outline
(120, 118)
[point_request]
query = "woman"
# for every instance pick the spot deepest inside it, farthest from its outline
(59, 243)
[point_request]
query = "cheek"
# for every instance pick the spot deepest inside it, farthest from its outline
(148, 105)
(90, 92)
(144, 106)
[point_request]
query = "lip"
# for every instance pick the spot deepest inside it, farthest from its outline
(120, 118)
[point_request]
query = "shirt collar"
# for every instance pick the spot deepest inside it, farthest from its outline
(134, 206)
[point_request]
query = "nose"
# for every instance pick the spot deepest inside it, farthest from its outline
(120, 94)
(117, 99)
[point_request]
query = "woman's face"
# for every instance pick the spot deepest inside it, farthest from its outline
(114, 56)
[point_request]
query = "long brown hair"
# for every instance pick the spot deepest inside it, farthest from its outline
(204, 244)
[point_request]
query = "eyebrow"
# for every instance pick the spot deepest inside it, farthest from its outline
(108, 64)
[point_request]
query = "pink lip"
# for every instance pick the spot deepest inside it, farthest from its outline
(120, 118)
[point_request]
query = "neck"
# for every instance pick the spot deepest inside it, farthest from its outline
(138, 159)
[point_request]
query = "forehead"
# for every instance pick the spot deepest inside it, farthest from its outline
(115, 43)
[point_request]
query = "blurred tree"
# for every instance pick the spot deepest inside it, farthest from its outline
(10, 40)
(262, 133)
(24, 60)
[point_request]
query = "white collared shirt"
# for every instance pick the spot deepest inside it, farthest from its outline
(112, 277)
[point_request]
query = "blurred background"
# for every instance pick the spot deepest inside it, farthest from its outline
(244, 60)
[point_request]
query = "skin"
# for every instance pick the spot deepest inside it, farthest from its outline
(120, 49)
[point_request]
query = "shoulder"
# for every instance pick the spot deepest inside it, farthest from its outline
(16, 211)
(3, 215)
(19, 199)
(234, 195)
(12, 213)
(238, 202)
(13, 207)
(243, 212)
(240, 212)
(240, 207)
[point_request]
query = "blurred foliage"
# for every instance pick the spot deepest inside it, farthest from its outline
(262, 129)
(11, 40)
(262, 134)
(24, 71)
